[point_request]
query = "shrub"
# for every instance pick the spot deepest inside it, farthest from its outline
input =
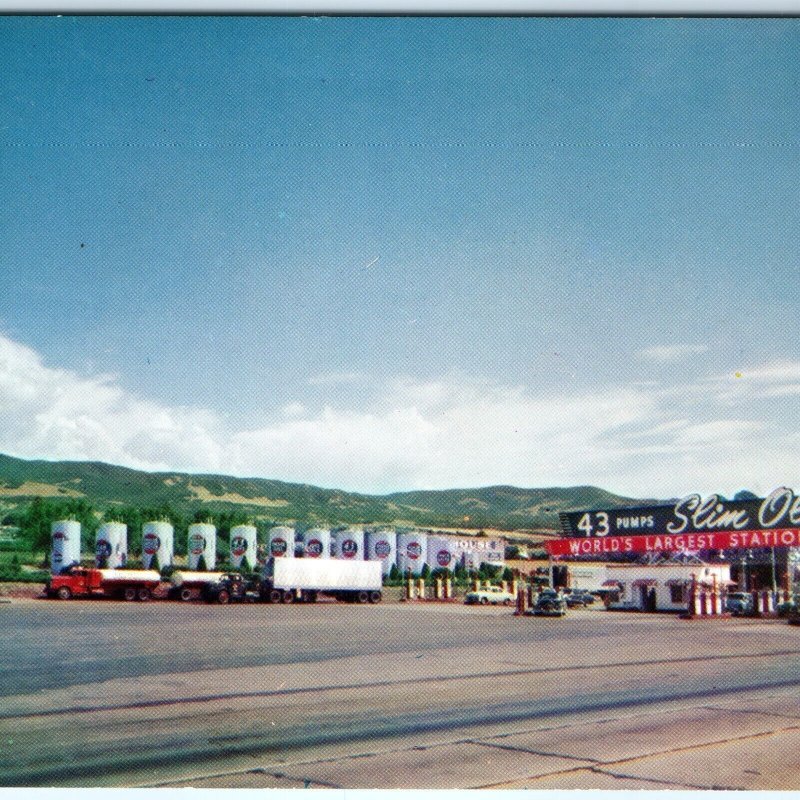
(15, 574)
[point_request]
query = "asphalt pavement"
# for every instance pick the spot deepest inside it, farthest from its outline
(98, 693)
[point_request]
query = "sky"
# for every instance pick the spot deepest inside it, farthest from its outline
(381, 254)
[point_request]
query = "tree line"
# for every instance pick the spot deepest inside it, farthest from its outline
(34, 522)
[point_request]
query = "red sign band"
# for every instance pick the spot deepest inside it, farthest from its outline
(673, 543)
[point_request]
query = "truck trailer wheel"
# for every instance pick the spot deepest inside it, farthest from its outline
(129, 593)
(274, 596)
(64, 593)
(143, 594)
(186, 594)
(375, 597)
(223, 597)
(362, 597)
(288, 596)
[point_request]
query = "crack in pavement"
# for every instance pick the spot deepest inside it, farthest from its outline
(513, 749)
(589, 768)
(589, 764)
(607, 767)
(751, 711)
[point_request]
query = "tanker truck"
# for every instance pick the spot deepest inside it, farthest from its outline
(126, 584)
(186, 585)
(286, 580)
(129, 584)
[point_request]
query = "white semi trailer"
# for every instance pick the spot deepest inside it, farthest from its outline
(286, 580)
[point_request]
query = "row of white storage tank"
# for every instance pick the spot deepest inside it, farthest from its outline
(409, 551)
(158, 540)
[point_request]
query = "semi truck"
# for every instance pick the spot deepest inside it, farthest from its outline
(77, 581)
(286, 580)
(283, 580)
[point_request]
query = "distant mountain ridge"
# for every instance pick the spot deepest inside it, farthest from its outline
(105, 486)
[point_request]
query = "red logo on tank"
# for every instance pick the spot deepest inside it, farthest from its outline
(349, 548)
(314, 548)
(238, 545)
(414, 550)
(197, 544)
(278, 547)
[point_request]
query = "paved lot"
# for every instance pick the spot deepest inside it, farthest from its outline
(101, 693)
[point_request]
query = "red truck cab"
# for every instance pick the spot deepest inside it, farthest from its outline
(123, 584)
(75, 582)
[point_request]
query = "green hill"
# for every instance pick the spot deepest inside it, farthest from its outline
(105, 486)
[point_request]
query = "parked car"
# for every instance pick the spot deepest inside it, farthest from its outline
(230, 588)
(550, 604)
(577, 598)
(739, 603)
(787, 609)
(493, 595)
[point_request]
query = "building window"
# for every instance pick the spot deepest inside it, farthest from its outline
(676, 593)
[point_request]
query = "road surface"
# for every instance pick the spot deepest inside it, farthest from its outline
(100, 693)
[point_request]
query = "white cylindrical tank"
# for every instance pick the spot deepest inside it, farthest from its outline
(382, 546)
(244, 545)
(158, 539)
(349, 544)
(317, 543)
(202, 543)
(281, 542)
(442, 553)
(412, 551)
(185, 578)
(65, 544)
(129, 575)
(111, 545)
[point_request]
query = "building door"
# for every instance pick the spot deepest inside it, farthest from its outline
(648, 598)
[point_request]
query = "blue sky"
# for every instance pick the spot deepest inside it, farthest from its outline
(383, 253)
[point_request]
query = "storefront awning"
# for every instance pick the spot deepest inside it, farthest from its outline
(611, 584)
(678, 582)
(645, 582)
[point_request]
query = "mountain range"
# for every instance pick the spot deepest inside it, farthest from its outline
(505, 508)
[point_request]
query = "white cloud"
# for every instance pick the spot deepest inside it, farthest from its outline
(56, 414)
(639, 439)
(725, 433)
(293, 410)
(776, 372)
(672, 353)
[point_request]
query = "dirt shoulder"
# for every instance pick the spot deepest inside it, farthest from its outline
(21, 589)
